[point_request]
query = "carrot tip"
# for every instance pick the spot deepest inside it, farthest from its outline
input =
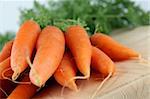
(29, 61)
(15, 75)
(17, 82)
(143, 60)
(40, 87)
(35, 79)
(37, 82)
(75, 87)
(62, 90)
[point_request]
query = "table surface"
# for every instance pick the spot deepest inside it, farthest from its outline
(131, 80)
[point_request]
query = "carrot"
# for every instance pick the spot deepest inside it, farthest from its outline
(6, 72)
(6, 86)
(79, 43)
(6, 51)
(50, 50)
(112, 48)
(4, 65)
(103, 64)
(23, 46)
(23, 91)
(66, 71)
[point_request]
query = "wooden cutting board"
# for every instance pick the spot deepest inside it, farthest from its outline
(131, 80)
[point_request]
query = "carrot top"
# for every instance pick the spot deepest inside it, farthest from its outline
(64, 24)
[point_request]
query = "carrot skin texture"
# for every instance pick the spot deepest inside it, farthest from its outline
(6, 51)
(115, 50)
(23, 46)
(66, 71)
(50, 50)
(4, 65)
(6, 85)
(23, 91)
(78, 42)
(101, 62)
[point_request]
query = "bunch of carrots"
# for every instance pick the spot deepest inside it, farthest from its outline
(51, 52)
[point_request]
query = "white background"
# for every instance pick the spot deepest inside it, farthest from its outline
(9, 11)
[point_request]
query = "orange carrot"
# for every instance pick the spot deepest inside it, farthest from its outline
(50, 50)
(6, 51)
(66, 71)
(79, 43)
(4, 65)
(112, 48)
(103, 64)
(23, 46)
(23, 91)
(6, 86)
(6, 72)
